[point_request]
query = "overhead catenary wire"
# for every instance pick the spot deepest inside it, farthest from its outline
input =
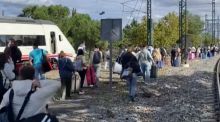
(131, 14)
(139, 9)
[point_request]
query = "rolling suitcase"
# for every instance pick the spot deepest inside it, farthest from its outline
(154, 71)
(90, 76)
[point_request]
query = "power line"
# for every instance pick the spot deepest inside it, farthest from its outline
(132, 12)
(139, 9)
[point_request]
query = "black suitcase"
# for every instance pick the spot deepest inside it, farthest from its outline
(154, 71)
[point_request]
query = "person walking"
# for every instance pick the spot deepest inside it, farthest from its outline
(157, 57)
(145, 60)
(81, 68)
(8, 72)
(96, 62)
(173, 55)
(15, 53)
(36, 60)
(66, 70)
(130, 61)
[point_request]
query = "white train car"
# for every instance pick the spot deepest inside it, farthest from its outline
(26, 31)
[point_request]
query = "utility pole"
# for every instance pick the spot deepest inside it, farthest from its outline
(206, 28)
(149, 23)
(218, 29)
(183, 25)
(213, 21)
(180, 24)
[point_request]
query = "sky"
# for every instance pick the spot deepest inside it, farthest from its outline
(125, 9)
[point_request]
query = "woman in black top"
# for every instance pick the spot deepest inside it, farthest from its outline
(129, 60)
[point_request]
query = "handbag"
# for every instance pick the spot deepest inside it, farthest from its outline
(78, 64)
(117, 68)
(46, 66)
(90, 76)
(126, 73)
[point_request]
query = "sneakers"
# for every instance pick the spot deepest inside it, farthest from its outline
(81, 92)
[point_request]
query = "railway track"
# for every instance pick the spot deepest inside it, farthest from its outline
(212, 98)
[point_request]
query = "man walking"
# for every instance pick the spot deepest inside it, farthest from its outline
(145, 60)
(96, 61)
(36, 59)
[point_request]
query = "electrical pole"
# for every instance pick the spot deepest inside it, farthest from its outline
(213, 21)
(206, 28)
(218, 31)
(180, 25)
(183, 33)
(149, 23)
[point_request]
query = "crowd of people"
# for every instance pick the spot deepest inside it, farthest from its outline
(136, 62)
(24, 93)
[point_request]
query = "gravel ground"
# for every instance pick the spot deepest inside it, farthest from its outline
(176, 96)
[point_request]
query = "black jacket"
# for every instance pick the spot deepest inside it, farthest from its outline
(15, 54)
(129, 60)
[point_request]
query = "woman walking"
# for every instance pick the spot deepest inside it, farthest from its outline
(130, 61)
(81, 68)
(66, 72)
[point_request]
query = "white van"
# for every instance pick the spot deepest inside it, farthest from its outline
(26, 31)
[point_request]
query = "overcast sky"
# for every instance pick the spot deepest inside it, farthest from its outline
(114, 8)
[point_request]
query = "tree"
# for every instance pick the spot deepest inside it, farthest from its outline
(195, 29)
(135, 33)
(166, 31)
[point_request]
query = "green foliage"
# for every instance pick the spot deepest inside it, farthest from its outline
(207, 39)
(80, 28)
(135, 33)
(195, 29)
(166, 31)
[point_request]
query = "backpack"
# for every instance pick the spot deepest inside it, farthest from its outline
(78, 64)
(142, 56)
(96, 57)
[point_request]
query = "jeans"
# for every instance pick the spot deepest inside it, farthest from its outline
(38, 73)
(145, 68)
(97, 68)
(131, 82)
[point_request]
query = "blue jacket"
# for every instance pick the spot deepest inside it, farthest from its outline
(65, 68)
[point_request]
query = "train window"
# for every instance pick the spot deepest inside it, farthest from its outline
(23, 40)
(2, 40)
(60, 38)
(29, 40)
